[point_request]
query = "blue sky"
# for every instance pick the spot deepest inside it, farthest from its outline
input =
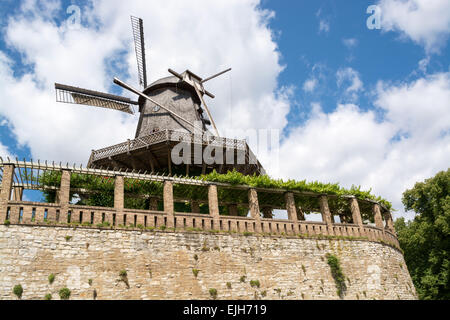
(353, 105)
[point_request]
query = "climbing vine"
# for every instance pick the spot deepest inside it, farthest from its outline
(94, 190)
(337, 274)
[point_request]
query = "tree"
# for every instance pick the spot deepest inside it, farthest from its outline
(426, 240)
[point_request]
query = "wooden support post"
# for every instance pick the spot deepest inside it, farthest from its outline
(233, 210)
(5, 193)
(195, 208)
(291, 210)
(168, 202)
(267, 212)
(300, 214)
(377, 216)
(254, 208)
(213, 203)
(154, 204)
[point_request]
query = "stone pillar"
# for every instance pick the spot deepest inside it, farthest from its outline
(213, 203)
(17, 193)
(154, 204)
(233, 210)
(291, 210)
(64, 195)
(356, 214)
(195, 207)
(254, 208)
(267, 212)
(325, 210)
(168, 202)
(5, 193)
(377, 215)
(119, 185)
(389, 222)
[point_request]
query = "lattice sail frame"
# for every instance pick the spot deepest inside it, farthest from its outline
(74, 95)
(138, 33)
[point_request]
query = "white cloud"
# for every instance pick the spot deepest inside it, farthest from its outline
(426, 22)
(324, 26)
(350, 42)
(351, 146)
(350, 77)
(309, 85)
(204, 36)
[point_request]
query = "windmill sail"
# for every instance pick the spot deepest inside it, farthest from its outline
(138, 33)
(74, 95)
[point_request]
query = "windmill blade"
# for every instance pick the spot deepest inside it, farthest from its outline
(206, 107)
(74, 95)
(216, 75)
(138, 33)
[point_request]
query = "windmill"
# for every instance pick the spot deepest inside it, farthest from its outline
(171, 104)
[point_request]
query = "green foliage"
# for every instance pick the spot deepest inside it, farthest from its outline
(7, 223)
(48, 296)
(426, 240)
(247, 234)
(229, 285)
(195, 272)
(18, 291)
(123, 273)
(51, 278)
(242, 279)
(254, 283)
(337, 274)
(67, 238)
(102, 192)
(64, 293)
(213, 293)
(90, 282)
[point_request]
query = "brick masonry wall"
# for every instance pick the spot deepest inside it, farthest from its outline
(159, 265)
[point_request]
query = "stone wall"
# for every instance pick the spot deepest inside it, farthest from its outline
(160, 265)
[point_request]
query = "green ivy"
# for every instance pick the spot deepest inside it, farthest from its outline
(337, 274)
(101, 192)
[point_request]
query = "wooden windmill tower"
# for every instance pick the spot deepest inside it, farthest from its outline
(172, 109)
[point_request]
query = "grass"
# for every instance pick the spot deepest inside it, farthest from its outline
(64, 293)
(213, 293)
(18, 291)
(195, 272)
(51, 278)
(255, 283)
